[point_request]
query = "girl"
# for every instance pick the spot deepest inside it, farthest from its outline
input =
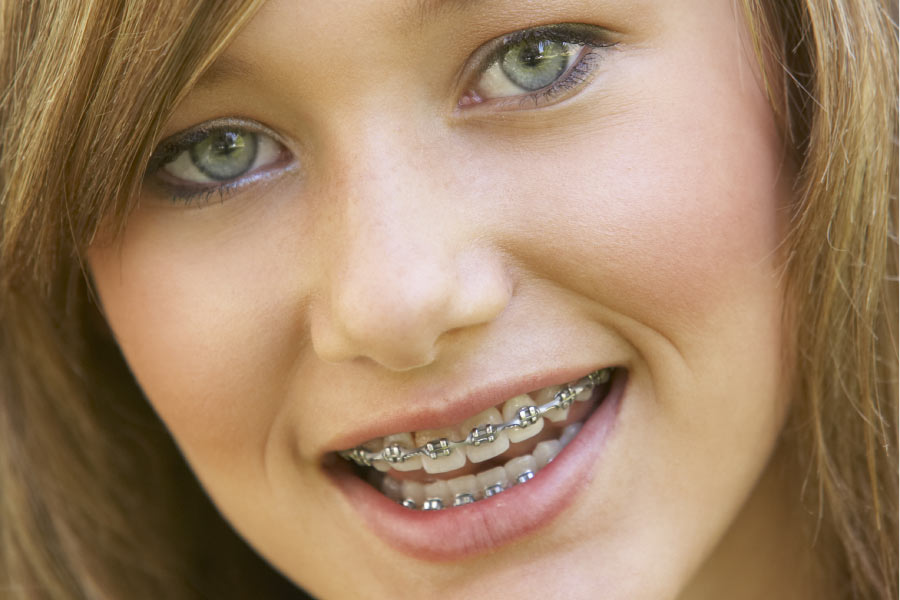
(583, 299)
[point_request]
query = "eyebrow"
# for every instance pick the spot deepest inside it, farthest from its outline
(429, 10)
(224, 68)
(232, 67)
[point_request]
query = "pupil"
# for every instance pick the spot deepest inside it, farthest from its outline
(228, 142)
(533, 54)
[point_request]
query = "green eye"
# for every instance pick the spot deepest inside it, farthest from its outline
(541, 64)
(215, 155)
(535, 64)
(225, 153)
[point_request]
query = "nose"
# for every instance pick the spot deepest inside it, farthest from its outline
(404, 271)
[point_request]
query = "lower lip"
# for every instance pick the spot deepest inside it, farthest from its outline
(461, 532)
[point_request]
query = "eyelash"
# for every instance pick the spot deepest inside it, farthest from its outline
(592, 38)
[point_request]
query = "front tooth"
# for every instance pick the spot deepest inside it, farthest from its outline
(441, 491)
(493, 481)
(453, 460)
(569, 433)
(405, 440)
(486, 450)
(510, 412)
(415, 491)
(521, 465)
(467, 484)
(545, 452)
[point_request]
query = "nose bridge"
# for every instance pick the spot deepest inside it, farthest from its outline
(403, 267)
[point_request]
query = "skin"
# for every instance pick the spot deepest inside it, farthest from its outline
(413, 251)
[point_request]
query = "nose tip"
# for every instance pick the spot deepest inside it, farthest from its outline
(396, 315)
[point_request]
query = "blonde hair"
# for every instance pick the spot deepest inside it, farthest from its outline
(86, 87)
(831, 73)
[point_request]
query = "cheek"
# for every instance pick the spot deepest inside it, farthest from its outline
(670, 212)
(196, 320)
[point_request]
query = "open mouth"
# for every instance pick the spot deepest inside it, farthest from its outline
(499, 448)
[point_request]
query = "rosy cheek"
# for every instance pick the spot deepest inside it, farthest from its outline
(196, 321)
(648, 226)
(664, 211)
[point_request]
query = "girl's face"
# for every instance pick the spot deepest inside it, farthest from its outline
(389, 216)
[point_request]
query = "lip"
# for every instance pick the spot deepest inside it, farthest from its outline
(453, 409)
(461, 532)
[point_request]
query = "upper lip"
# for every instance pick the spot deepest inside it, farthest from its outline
(455, 408)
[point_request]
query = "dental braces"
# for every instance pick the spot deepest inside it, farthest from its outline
(466, 497)
(526, 417)
(463, 498)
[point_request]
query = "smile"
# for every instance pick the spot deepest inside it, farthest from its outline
(502, 447)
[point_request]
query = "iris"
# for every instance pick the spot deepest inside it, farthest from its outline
(535, 64)
(225, 153)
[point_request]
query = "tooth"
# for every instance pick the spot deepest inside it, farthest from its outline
(600, 377)
(521, 465)
(510, 412)
(452, 460)
(467, 484)
(415, 491)
(392, 488)
(405, 440)
(376, 446)
(545, 452)
(439, 490)
(486, 450)
(545, 395)
(493, 481)
(568, 433)
(585, 394)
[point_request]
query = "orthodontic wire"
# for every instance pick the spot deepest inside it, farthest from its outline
(482, 434)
